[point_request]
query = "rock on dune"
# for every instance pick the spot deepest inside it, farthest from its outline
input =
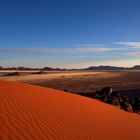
(30, 112)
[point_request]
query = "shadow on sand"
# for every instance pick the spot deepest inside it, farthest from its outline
(131, 93)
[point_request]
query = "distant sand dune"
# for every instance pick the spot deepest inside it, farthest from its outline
(30, 112)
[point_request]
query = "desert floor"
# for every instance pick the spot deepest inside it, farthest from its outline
(127, 82)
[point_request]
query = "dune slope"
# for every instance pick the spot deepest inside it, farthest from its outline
(30, 112)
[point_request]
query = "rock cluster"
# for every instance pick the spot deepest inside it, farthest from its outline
(110, 96)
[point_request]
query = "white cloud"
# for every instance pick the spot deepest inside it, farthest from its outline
(58, 51)
(134, 54)
(29, 51)
(88, 45)
(130, 44)
(87, 50)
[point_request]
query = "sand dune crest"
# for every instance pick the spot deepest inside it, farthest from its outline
(35, 113)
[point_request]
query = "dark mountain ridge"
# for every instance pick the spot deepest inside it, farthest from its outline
(136, 67)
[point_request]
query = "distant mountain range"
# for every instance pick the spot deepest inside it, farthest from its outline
(26, 68)
(136, 67)
(49, 68)
(104, 68)
(18, 68)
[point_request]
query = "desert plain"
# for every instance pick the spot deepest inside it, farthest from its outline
(126, 82)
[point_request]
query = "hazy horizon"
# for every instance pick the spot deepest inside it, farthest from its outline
(69, 34)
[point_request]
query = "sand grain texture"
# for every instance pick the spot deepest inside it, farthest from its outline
(30, 112)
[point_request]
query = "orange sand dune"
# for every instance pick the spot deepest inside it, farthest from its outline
(35, 113)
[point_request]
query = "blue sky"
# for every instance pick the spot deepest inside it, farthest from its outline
(69, 33)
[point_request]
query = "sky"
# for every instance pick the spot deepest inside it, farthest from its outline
(69, 33)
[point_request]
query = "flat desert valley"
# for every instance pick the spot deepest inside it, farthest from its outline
(127, 82)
